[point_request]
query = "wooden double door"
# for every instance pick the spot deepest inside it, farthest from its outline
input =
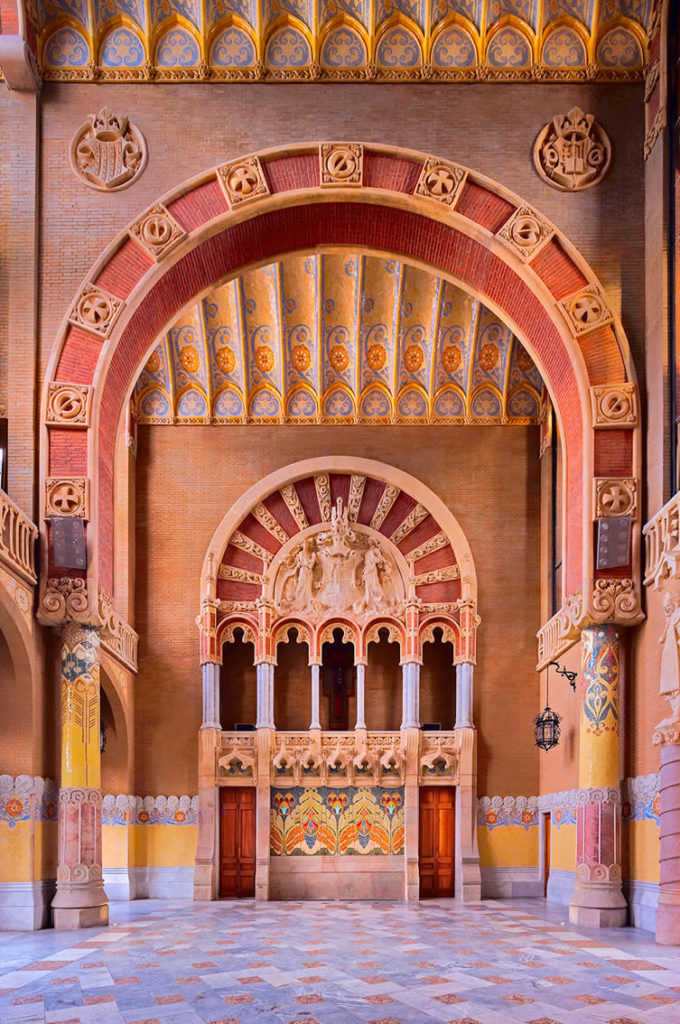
(436, 841)
(237, 841)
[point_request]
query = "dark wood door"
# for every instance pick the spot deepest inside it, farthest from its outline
(237, 841)
(436, 844)
(546, 852)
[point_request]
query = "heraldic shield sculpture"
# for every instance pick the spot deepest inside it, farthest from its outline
(338, 570)
(108, 152)
(572, 152)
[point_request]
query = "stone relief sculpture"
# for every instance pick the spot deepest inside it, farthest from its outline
(572, 152)
(108, 152)
(338, 570)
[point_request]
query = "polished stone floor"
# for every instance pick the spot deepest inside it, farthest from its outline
(338, 963)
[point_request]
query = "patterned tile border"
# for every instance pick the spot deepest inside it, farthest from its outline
(27, 798)
(149, 810)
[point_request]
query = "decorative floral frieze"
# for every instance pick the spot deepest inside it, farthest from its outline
(641, 799)
(149, 810)
(501, 811)
(27, 798)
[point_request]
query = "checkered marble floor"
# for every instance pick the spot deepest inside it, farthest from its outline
(493, 962)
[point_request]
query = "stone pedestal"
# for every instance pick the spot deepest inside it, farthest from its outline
(597, 901)
(80, 900)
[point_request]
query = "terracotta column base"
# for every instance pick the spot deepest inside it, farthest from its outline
(668, 911)
(80, 900)
(598, 905)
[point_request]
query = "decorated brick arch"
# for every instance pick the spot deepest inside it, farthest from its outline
(297, 517)
(428, 211)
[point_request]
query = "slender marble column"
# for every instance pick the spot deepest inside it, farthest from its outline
(410, 718)
(361, 697)
(80, 900)
(265, 696)
(211, 697)
(597, 901)
(315, 723)
(464, 695)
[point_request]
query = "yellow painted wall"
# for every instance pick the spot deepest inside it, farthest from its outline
(114, 846)
(16, 852)
(163, 845)
(509, 846)
(563, 848)
(641, 851)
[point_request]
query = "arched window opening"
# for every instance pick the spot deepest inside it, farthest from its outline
(438, 683)
(338, 684)
(383, 685)
(291, 689)
(238, 689)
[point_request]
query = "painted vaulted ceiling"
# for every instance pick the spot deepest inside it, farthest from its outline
(338, 337)
(341, 39)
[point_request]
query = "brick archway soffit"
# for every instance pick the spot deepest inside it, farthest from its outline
(423, 209)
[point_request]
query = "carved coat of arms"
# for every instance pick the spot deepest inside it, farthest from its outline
(339, 570)
(572, 152)
(108, 152)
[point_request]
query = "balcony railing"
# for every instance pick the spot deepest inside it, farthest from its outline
(320, 758)
(662, 544)
(17, 540)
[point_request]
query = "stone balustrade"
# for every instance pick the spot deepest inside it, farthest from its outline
(17, 540)
(662, 544)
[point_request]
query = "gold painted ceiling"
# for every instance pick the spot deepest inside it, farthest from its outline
(338, 337)
(468, 40)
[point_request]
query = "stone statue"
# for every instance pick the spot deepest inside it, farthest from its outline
(337, 570)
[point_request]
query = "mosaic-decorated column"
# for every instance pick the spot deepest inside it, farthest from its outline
(597, 901)
(211, 696)
(361, 696)
(464, 694)
(410, 717)
(316, 672)
(80, 901)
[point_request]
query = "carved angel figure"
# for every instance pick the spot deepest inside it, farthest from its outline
(298, 584)
(377, 589)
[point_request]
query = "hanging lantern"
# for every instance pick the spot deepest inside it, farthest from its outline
(547, 729)
(548, 722)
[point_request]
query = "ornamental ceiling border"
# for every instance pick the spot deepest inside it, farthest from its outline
(400, 41)
(430, 209)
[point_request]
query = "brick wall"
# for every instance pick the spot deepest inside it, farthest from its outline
(187, 479)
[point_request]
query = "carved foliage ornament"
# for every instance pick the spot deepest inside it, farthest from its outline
(572, 152)
(157, 231)
(585, 310)
(614, 406)
(108, 152)
(95, 310)
(341, 163)
(441, 181)
(243, 180)
(526, 232)
(66, 496)
(68, 405)
(615, 497)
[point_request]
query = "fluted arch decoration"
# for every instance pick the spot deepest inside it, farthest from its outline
(362, 511)
(400, 41)
(429, 210)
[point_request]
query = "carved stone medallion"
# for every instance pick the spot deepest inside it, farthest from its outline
(107, 152)
(572, 152)
(338, 570)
